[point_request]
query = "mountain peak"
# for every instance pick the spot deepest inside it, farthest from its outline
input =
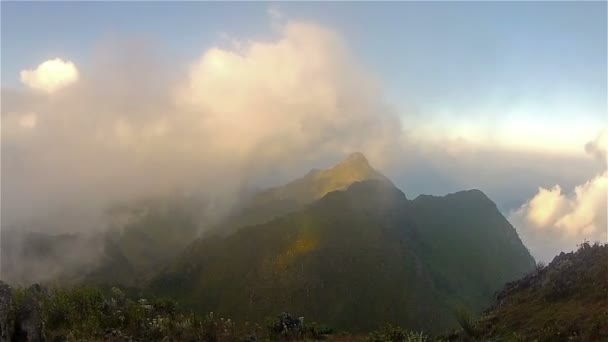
(354, 168)
(354, 163)
(314, 185)
(356, 158)
(472, 195)
(317, 183)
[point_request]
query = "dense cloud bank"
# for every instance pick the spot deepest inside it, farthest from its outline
(132, 125)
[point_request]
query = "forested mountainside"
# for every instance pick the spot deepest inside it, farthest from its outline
(355, 259)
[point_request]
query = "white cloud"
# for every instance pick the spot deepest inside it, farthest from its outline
(50, 75)
(599, 146)
(300, 93)
(554, 221)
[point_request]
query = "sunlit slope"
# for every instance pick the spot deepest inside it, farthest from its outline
(292, 196)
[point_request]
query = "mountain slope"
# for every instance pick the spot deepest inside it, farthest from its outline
(469, 247)
(354, 259)
(342, 260)
(564, 301)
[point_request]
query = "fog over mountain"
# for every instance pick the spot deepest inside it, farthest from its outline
(132, 123)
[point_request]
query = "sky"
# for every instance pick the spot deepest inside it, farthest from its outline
(483, 69)
(502, 96)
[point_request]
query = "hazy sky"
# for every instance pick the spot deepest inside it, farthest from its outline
(509, 97)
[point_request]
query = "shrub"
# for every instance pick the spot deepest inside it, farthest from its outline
(466, 322)
(392, 333)
(286, 327)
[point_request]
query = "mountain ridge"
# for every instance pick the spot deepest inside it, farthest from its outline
(365, 246)
(295, 195)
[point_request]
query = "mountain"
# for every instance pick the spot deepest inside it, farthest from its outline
(278, 201)
(354, 258)
(564, 301)
(468, 246)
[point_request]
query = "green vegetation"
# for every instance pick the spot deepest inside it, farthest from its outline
(98, 314)
(466, 322)
(86, 314)
(564, 301)
(391, 333)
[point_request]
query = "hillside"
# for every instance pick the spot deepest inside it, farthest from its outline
(564, 301)
(355, 259)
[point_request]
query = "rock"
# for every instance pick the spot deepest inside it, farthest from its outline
(29, 324)
(6, 302)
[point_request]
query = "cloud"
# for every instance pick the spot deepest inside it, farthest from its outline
(599, 146)
(136, 124)
(28, 120)
(300, 93)
(50, 75)
(553, 220)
